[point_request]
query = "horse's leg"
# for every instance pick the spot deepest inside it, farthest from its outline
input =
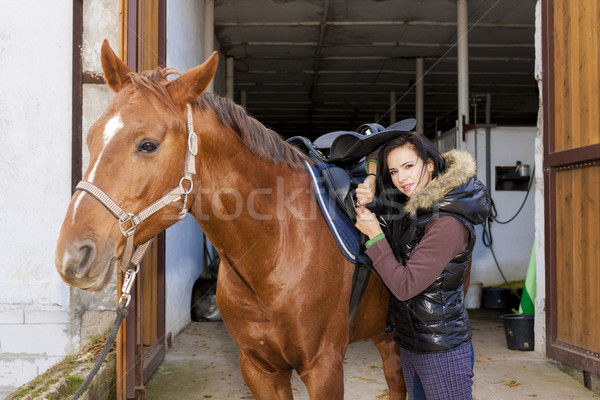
(392, 369)
(265, 385)
(324, 376)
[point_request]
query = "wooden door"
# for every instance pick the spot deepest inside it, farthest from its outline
(141, 344)
(571, 65)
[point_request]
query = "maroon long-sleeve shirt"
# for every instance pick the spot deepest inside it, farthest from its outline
(444, 238)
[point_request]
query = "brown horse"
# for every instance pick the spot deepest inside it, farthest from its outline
(283, 286)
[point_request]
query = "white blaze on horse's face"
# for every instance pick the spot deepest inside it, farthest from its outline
(111, 128)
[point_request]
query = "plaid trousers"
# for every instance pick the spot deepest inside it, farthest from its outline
(439, 376)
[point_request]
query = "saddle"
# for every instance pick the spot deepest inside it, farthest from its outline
(340, 159)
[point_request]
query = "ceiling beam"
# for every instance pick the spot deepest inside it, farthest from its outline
(369, 23)
(437, 84)
(382, 44)
(370, 71)
(366, 58)
(375, 58)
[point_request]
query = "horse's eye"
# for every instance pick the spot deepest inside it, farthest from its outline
(147, 147)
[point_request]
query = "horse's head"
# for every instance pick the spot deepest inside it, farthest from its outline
(137, 154)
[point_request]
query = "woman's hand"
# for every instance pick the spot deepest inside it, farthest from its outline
(367, 223)
(366, 191)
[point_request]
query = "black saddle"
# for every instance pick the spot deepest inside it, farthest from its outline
(340, 158)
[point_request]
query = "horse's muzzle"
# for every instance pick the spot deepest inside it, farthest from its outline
(76, 266)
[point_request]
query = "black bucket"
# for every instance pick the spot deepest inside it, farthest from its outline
(514, 300)
(496, 298)
(518, 329)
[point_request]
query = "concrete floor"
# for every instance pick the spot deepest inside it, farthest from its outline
(203, 364)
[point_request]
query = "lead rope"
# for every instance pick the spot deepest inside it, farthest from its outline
(134, 258)
(121, 315)
(122, 311)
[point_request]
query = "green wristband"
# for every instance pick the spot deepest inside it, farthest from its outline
(368, 161)
(376, 239)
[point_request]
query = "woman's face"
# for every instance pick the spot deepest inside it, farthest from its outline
(408, 172)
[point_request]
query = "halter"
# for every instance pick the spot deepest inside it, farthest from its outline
(129, 222)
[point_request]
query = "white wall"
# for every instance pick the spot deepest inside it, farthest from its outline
(512, 242)
(540, 240)
(183, 240)
(35, 185)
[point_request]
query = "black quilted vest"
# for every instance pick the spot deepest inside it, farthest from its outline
(436, 319)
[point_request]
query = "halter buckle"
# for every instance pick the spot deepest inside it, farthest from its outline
(129, 231)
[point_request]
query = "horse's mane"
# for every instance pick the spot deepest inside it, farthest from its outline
(262, 141)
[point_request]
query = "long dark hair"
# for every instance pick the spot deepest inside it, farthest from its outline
(394, 200)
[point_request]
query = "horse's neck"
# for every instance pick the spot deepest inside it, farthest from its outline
(247, 206)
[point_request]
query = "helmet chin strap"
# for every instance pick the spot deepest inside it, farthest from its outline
(129, 222)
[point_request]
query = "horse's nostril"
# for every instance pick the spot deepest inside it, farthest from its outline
(77, 262)
(86, 253)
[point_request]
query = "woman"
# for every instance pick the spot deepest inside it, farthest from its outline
(432, 203)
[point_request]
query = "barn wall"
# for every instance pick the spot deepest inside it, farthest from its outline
(512, 242)
(35, 165)
(540, 241)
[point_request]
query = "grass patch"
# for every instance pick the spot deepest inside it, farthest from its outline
(95, 339)
(98, 337)
(39, 385)
(74, 383)
(32, 385)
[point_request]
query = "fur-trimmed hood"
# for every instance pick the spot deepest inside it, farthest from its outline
(455, 190)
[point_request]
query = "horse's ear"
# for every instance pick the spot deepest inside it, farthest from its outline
(116, 72)
(189, 86)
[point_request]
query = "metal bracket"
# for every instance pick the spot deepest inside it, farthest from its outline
(130, 275)
(129, 231)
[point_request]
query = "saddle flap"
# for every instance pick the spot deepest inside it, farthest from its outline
(339, 186)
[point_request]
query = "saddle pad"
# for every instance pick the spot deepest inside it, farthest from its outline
(342, 228)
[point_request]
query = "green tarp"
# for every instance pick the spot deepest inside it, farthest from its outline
(529, 289)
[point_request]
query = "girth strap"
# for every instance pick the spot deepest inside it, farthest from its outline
(360, 280)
